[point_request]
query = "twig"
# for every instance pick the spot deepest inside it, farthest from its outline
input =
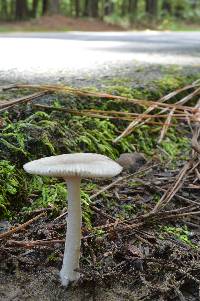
(21, 227)
(181, 215)
(80, 92)
(168, 195)
(36, 243)
(25, 99)
(154, 187)
(180, 197)
(102, 115)
(132, 125)
(166, 126)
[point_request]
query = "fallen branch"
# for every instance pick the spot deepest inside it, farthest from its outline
(37, 243)
(10, 104)
(168, 195)
(133, 124)
(34, 243)
(21, 227)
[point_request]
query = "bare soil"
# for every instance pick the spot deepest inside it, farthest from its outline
(60, 23)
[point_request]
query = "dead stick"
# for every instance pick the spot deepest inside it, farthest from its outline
(21, 100)
(35, 243)
(181, 215)
(168, 195)
(20, 227)
(31, 244)
(105, 95)
(158, 188)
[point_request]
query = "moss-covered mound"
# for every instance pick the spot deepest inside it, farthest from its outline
(28, 134)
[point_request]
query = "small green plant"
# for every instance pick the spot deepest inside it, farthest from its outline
(181, 234)
(53, 257)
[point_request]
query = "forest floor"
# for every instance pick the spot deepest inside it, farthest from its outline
(59, 23)
(129, 251)
(62, 23)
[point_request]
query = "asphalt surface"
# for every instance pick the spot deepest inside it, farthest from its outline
(53, 57)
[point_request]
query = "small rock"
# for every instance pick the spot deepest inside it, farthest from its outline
(4, 226)
(131, 161)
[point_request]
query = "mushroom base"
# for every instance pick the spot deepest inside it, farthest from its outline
(73, 236)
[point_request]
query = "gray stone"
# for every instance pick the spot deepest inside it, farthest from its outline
(131, 161)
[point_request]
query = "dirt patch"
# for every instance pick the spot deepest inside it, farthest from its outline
(60, 23)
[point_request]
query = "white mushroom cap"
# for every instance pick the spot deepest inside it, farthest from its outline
(73, 165)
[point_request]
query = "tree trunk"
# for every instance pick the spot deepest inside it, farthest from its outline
(21, 10)
(45, 7)
(4, 9)
(102, 9)
(133, 9)
(178, 10)
(53, 7)
(94, 8)
(12, 10)
(152, 7)
(34, 8)
(106, 7)
(86, 12)
(133, 6)
(166, 6)
(77, 8)
(124, 8)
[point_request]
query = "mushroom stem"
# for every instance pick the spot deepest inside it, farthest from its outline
(73, 236)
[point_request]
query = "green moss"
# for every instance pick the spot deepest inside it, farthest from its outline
(11, 187)
(34, 134)
(125, 91)
(169, 82)
(181, 233)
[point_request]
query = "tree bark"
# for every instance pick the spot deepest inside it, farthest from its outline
(178, 10)
(4, 9)
(77, 8)
(53, 7)
(106, 7)
(94, 8)
(133, 9)
(91, 8)
(21, 10)
(152, 7)
(86, 12)
(45, 7)
(133, 6)
(166, 6)
(34, 8)
(124, 8)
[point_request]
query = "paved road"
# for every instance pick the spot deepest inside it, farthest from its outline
(50, 56)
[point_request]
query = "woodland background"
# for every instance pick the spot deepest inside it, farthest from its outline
(131, 11)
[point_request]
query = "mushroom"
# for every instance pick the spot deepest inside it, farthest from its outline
(73, 167)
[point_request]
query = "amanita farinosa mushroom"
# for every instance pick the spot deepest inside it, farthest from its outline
(73, 167)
